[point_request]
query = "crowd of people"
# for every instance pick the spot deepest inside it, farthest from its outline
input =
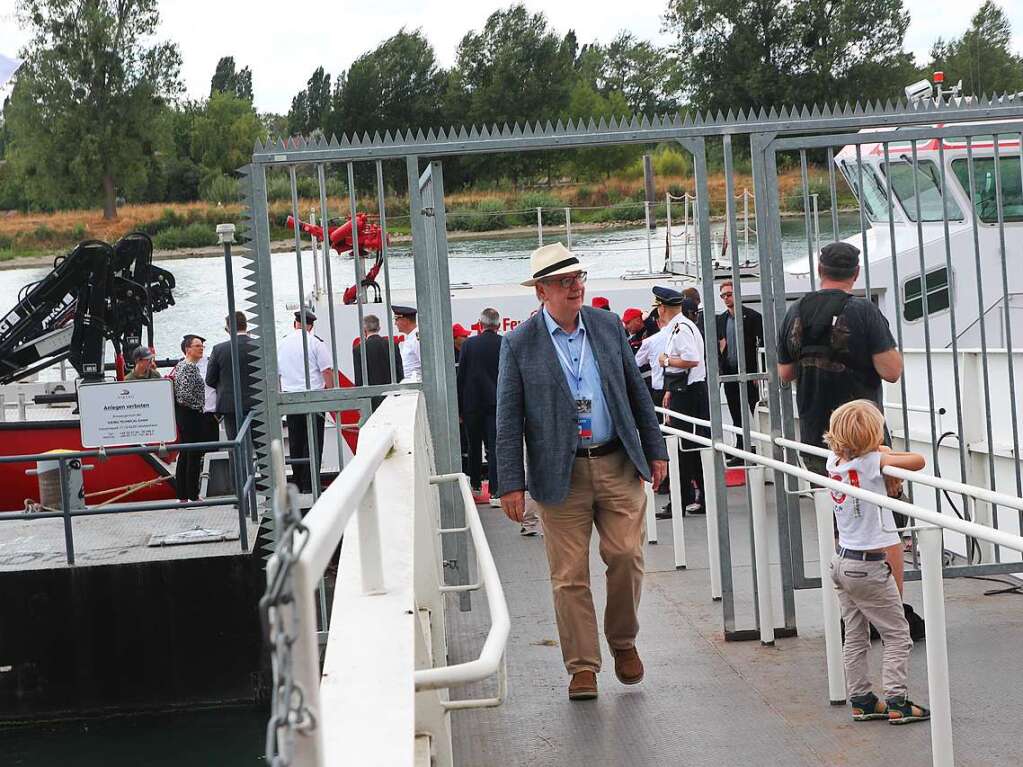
(204, 397)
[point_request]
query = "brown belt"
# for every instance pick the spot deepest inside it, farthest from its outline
(604, 448)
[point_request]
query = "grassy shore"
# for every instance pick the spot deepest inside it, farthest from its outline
(190, 227)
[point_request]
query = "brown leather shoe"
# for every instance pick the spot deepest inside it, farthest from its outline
(583, 686)
(628, 666)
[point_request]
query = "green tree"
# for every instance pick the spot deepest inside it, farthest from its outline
(515, 69)
(227, 80)
(223, 134)
(732, 54)
(310, 108)
(586, 103)
(982, 58)
(397, 85)
(636, 69)
(82, 108)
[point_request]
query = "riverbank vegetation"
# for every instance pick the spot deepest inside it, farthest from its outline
(97, 117)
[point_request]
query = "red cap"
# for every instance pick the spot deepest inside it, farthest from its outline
(600, 302)
(939, 77)
(459, 332)
(630, 315)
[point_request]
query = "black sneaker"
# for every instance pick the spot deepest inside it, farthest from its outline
(868, 707)
(903, 711)
(664, 512)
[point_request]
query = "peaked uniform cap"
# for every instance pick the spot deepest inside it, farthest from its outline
(550, 261)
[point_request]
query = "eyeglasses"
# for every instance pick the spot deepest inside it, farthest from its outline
(726, 295)
(567, 281)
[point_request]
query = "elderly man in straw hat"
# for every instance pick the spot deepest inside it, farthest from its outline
(568, 385)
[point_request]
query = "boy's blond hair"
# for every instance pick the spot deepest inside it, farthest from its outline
(856, 428)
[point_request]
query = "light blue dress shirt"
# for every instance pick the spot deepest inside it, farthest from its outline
(583, 383)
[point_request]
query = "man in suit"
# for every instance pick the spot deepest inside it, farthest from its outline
(379, 352)
(220, 374)
(569, 386)
(477, 391)
(728, 354)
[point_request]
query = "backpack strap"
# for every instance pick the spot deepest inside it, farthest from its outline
(818, 313)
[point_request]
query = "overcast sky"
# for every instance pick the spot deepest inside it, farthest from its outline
(282, 50)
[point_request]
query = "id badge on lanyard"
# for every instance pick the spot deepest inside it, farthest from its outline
(584, 415)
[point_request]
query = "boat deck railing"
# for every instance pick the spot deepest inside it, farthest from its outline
(244, 480)
(382, 695)
(928, 527)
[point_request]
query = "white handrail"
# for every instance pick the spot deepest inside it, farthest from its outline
(931, 572)
(941, 483)
(491, 657)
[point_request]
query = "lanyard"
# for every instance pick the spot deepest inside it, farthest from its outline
(577, 373)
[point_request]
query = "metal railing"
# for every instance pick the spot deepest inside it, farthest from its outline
(244, 482)
(930, 535)
(392, 603)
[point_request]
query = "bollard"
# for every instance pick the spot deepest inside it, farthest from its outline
(710, 504)
(761, 559)
(678, 509)
(539, 227)
(832, 613)
(930, 544)
(651, 513)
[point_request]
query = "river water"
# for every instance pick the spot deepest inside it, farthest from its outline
(235, 737)
(201, 301)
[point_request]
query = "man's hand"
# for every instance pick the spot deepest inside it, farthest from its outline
(513, 505)
(666, 400)
(659, 470)
(721, 345)
(893, 485)
(662, 360)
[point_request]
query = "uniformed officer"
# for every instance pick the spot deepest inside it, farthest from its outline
(411, 362)
(667, 305)
(685, 383)
(292, 369)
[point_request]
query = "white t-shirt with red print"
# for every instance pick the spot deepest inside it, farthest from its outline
(862, 526)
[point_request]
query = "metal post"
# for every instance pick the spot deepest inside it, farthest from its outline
(745, 226)
(761, 556)
(710, 504)
(678, 532)
(225, 236)
(65, 506)
(21, 406)
(832, 614)
(685, 232)
(649, 252)
(930, 544)
(651, 513)
(317, 290)
(370, 551)
(539, 227)
(568, 228)
(669, 265)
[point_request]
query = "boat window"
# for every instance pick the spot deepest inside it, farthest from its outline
(872, 197)
(984, 198)
(929, 184)
(938, 295)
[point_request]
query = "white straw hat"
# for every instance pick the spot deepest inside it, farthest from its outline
(552, 260)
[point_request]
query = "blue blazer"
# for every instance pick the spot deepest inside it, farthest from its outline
(534, 402)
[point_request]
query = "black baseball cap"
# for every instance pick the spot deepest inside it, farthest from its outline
(840, 256)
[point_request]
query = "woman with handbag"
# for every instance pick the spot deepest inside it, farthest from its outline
(189, 403)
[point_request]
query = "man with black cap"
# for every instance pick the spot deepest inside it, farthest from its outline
(145, 366)
(685, 391)
(837, 348)
(302, 369)
(411, 361)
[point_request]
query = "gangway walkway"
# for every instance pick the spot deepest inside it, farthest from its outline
(708, 702)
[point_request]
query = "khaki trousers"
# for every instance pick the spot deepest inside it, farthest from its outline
(605, 493)
(867, 594)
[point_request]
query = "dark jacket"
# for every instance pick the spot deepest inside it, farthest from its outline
(220, 377)
(753, 338)
(534, 402)
(378, 350)
(477, 373)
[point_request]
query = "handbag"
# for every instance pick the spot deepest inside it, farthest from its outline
(676, 383)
